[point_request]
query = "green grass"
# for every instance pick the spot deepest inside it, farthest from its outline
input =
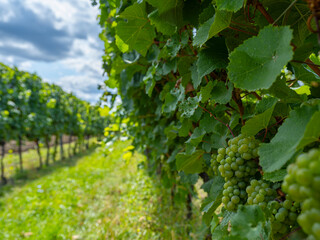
(94, 197)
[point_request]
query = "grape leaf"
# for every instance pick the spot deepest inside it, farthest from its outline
(153, 53)
(258, 122)
(298, 130)
(213, 57)
(196, 136)
(206, 14)
(275, 176)
(161, 26)
(203, 33)
(148, 79)
(191, 11)
(221, 231)
(172, 98)
(222, 93)
(264, 104)
(137, 32)
(186, 125)
(220, 21)
(170, 12)
(190, 163)
(229, 5)
(196, 81)
(206, 91)
(173, 155)
(207, 123)
(188, 106)
(280, 90)
(249, 222)
(188, 178)
(212, 202)
(183, 66)
(121, 45)
(304, 74)
(259, 60)
(312, 132)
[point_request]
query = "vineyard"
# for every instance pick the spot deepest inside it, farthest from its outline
(208, 125)
(227, 92)
(35, 111)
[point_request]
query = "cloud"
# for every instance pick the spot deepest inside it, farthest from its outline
(86, 87)
(24, 27)
(56, 38)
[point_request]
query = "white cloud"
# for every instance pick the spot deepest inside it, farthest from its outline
(70, 56)
(90, 57)
(26, 65)
(67, 14)
(84, 87)
(5, 12)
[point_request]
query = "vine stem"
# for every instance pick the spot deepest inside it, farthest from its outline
(257, 96)
(265, 134)
(285, 11)
(264, 12)
(244, 31)
(272, 126)
(219, 120)
(313, 64)
(236, 97)
(290, 233)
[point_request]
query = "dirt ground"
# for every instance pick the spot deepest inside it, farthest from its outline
(26, 145)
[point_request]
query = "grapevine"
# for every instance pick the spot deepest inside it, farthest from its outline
(226, 91)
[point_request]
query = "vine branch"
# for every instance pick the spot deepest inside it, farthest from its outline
(219, 120)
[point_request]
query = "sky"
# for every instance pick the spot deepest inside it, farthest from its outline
(57, 39)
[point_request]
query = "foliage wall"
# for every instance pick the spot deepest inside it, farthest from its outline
(227, 91)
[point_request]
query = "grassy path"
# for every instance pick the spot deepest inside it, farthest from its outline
(93, 197)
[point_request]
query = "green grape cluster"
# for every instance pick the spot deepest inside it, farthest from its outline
(260, 193)
(214, 163)
(236, 159)
(303, 183)
(235, 163)
(233, 193)
(284, 215)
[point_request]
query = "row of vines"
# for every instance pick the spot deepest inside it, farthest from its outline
(33, 110)
(227, 91)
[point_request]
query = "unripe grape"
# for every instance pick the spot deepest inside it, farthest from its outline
(280, 217)
(246, 156)
(225, 199)
(236, 192)
(263, 205)
(316, 183)
(230, 206)
(234, 148)
(222, 151)
(316, 230)
(287, 204)
(236, 167)
(303, 183)
(235, 199)
(304, 176)
(303, 161)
